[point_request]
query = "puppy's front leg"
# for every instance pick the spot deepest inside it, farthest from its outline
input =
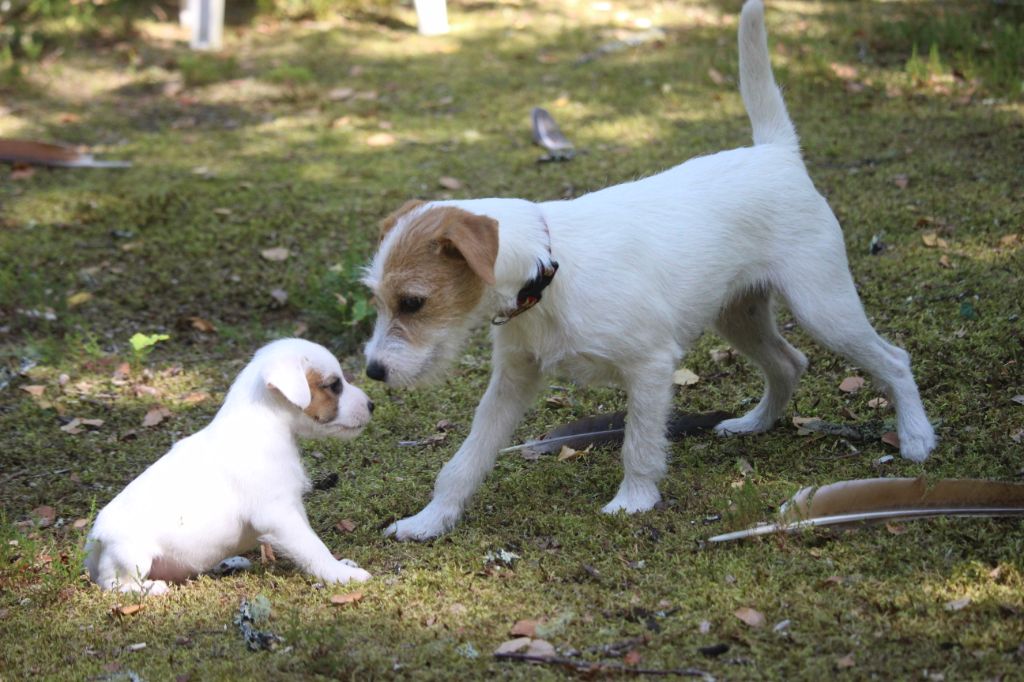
(287, 529)
(649, 399)
(515, 381)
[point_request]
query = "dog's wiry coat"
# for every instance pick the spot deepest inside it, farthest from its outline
(645, 268)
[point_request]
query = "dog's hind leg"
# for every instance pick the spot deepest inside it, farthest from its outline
(649, 400)
(821, 294)
(748, 323)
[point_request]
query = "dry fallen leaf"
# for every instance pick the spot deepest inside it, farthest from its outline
(901, 180)
(1008, 240)
(878, 403)
(716, 76)
(833, 581)
(751, 617)
(380, 140)
(44, 515)
(449, 182)
(74, 427)
(945, 263)
(36, 391)
(933, 240)
(195, 397)
(684, 377)
(202, 325)
(129, 610)
(895, 528)
(267, 555)
(845, 662)
(155, 416)
(843, 71)
(513, 645)
(340, 94)
(891, 438)
(558, 400)
(851, 384)
(632, 658)
(276, 254)
(79, 524)
(524, 628)
(540, 647)
(568, 453)
(79, 298)
(345, 525)
(344, 599)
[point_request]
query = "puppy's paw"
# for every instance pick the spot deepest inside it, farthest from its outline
(749, 423)
(346, 571)
(917, 446)
(428, 524)
(633, 497)
(148, 588)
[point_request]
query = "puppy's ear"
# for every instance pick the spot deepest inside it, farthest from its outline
(474, 238)
(287, 377)
(389, 222)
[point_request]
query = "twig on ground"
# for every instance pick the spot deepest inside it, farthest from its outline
(597, 668)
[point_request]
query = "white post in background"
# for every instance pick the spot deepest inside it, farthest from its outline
(432, 16)
(206, 19)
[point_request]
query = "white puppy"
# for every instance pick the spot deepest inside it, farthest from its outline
(643, 268)
(236, 483)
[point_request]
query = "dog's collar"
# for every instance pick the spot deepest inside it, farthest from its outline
(531, 292)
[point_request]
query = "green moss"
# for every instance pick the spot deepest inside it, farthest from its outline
(227, 170)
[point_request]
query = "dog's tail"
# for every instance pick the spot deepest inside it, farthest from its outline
(761, 95)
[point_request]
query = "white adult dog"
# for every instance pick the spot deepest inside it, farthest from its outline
(642, 269)
(236, 483)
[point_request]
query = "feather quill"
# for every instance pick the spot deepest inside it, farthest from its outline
(608, 429)
(880, 499)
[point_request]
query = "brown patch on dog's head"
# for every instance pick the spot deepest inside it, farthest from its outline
(436, 270)
(324, 392)
(391, 220)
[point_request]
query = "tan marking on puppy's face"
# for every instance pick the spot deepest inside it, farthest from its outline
(428, 282)
(324, 391)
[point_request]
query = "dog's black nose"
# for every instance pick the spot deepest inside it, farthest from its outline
(376, 371)
(370, 406)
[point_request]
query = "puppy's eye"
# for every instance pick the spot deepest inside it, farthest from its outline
(410, 304)
(336, 386)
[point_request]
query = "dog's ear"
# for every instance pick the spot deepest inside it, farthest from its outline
(474, 238)
(389, 222)
(287, 377)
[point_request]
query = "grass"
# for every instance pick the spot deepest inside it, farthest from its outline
(250, 150)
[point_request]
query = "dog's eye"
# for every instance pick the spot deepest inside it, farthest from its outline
(336, 386)
(410, 304)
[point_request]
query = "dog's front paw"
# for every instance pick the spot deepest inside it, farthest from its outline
(917, 446)
(633, 497)
(346, 571)
(428, 524)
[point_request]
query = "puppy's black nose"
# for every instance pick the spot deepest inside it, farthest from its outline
(370, 406)
(376, 371)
